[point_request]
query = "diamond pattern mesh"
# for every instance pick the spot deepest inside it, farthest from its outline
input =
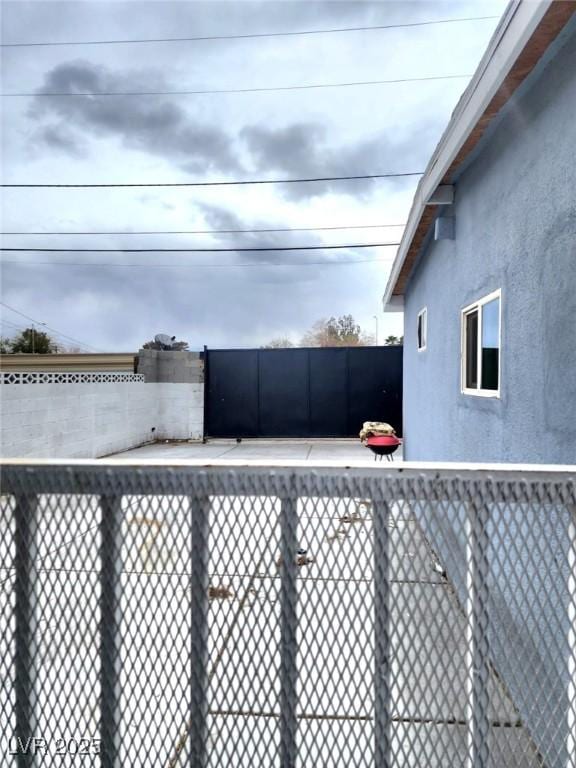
(215, 617)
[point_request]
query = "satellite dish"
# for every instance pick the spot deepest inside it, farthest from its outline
(164, 340)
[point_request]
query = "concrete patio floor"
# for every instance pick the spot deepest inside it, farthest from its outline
(428, 637)
(312, 451)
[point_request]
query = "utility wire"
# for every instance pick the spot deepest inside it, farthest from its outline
(201, 250)
(8, 323)
(195, 266)
(213, 183)
(13, 327)
(210, 231)
(237, 90)
(250, 36)
(59, 333)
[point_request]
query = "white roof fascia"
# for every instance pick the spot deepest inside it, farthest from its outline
(521, 18)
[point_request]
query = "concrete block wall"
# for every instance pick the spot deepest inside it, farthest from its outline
(93, 420)
(168, 366)
(181, 411)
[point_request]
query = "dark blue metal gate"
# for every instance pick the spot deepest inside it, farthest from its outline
(312, 392)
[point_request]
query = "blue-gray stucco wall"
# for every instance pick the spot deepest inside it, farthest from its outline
(515, 215)
(528, 606)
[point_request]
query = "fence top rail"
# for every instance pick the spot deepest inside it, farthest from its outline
(397, 468)
(404, 481)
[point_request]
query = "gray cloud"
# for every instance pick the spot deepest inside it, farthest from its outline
(157, 126)
(364, 131)
(219, 218)
(61, 139)
(117, 309)
(301, 150)
(164, 128)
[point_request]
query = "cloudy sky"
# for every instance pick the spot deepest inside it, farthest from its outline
(115, 301)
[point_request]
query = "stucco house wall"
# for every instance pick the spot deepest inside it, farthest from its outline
(515, 230)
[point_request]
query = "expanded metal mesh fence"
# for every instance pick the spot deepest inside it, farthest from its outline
(394, 618)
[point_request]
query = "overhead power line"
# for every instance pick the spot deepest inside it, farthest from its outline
(208, 231)
(238, 90)
(261, 264)
(37, 322)
(38, 326)
(9, 324)
(214, 183)
(200, 250)
(250, 36)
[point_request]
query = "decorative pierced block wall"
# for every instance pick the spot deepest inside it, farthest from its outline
(39, 377)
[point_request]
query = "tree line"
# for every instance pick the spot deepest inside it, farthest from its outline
(31, 341)
(341, 331)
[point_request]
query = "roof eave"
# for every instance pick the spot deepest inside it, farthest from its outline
(525, 31)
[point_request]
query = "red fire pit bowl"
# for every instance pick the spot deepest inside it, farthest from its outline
(383, 445)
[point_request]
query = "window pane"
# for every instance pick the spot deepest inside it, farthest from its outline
(471, 348)
(490, 344)
(422, 330)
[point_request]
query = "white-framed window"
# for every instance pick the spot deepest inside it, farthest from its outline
(422, 329)
(481, 344)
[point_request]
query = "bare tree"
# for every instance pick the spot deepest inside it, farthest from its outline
(337, 332)
(279, 343)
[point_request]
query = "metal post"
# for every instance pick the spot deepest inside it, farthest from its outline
(110, 617)
(198, 731)
(571, 691)
(477, 635)
(206, 419)
(288, 624)
(25, 656)
(382, 699)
